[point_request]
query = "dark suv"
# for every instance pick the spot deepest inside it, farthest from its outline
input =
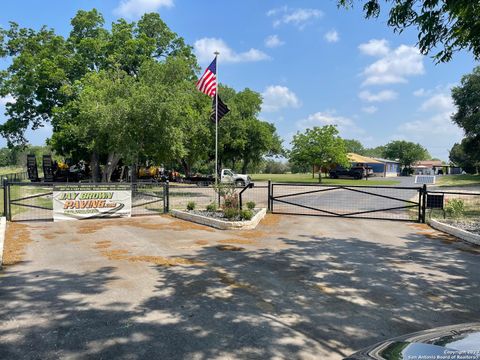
(356, 173)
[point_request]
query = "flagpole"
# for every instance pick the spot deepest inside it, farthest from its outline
(216, 120)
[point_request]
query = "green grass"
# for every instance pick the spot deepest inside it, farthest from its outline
(458, 180)
(307, 178)
(17, 192)
(11, 170)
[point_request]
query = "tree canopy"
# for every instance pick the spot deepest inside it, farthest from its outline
(320, 146)
(448, 25)
(407, 153)
(125, 93)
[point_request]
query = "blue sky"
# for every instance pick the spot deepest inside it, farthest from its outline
(314, 64)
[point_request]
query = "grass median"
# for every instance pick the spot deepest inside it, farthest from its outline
(307, 178)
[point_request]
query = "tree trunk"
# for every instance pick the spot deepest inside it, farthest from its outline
(245, 166)
(112, 162)
(95, 167)
(186, 167)
(313, 171)
(320, 175)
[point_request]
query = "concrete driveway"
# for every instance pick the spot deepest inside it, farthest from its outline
(295, 288)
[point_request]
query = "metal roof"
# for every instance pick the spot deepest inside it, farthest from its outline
(352, 157)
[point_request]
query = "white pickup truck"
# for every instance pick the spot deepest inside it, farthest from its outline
(226, 176)
(229, 176)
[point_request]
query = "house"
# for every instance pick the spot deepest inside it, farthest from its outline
(430, 167)
(380, 167)
(390, 168)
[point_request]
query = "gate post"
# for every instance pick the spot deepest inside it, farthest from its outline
(166, 197)
(269, 200)
(5, 198)
(424, 202)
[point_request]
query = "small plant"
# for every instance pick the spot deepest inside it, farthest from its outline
(246, 214)
(191, 205)
(455, 208)
(230, 213)
(230, 201)
(212, 207)
(251, 205)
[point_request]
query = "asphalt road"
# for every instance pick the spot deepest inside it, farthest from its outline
(298, 287)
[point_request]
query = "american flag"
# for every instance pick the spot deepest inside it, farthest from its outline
(208, 82)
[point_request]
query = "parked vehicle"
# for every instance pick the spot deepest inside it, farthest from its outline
(356, 173)
(226, 176)
(448, 342)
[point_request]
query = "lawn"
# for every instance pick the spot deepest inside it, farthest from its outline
(11, 170)
(458, 180)
(307, 178)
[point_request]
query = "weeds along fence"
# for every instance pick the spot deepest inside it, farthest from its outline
(453, 205)
(25, 201)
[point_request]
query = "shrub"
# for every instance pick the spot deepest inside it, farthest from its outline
(455, 208)
(191, 205)
(230, 213)
(246, 214)
(212, 207)
(230, 201)
(251, 205)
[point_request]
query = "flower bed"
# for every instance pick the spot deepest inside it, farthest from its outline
(218, 220)
(457, 228)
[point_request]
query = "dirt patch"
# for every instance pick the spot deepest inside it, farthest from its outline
(229, 248)
(271, 220)
(174, 224)
(17, 237)
(237, 241)
(163, 261)
(120, 254)
(420, 226)
(251, 234)
(49, 236)
(202, 242)
(230, 281)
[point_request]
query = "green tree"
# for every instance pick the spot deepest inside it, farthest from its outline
(45, 66)
(375, 152)
(445, 24)
(466, 155)
(354, 146)
(466, 97)
(320, 146)
(244, 139)
(407, 153)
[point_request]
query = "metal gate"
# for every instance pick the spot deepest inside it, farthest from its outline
(357, 201)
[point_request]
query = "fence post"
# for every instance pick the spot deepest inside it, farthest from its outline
(166, 197)
(5, 198)
(269, 205)
(424, 202)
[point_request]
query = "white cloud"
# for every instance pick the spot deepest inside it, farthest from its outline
(277, 97)
(7, 99)
(394, 65)
(433, 127)
(273, 41)
(420, 92)
(345, 126)
(384, 95)
(297, 17)
(439, 103)
(204, 49)
(136, 8)
(370, 109)
(332, 36)
(375, 47)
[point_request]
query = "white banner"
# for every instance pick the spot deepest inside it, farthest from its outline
(84, 201)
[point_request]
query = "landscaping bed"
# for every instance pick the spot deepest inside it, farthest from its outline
(471, 225)
(219, 221)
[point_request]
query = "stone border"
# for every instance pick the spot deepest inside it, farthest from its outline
(452, 230)
(221, 224)
(3, 227)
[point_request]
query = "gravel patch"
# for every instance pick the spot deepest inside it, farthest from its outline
(218, 214)
(472, 226)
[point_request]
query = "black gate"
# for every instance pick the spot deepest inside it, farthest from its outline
(357, 201)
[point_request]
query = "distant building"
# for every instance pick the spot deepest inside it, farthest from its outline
(434, 167)
(380, 167)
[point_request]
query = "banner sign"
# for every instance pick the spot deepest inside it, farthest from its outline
(84, 201)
